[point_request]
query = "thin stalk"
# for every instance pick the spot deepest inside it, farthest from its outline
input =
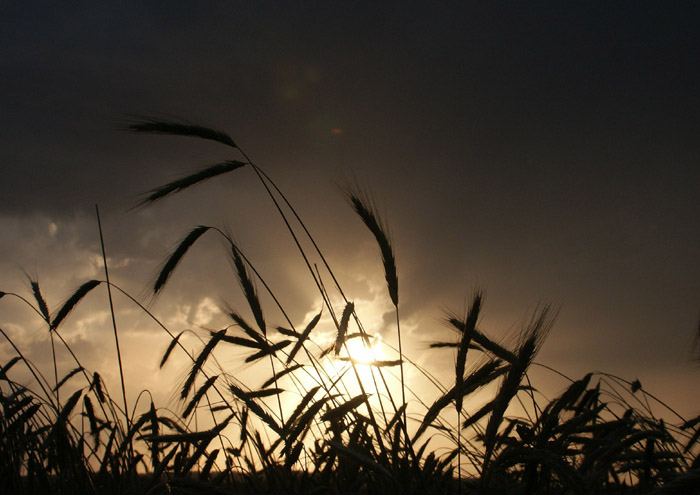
(114, 321)
(308, 264)
(261, 173)
(55, 365)
(44, 313)
(68, 348)
(646, 394)
(274, 374)
(535, 406)
(403, 381)
(326, 298)
(171, 335)
(35, 373)
(459, 453)
(277, 303)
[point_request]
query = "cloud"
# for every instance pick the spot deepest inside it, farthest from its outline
(501, 163)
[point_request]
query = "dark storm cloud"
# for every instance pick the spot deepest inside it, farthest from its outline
(546, 151)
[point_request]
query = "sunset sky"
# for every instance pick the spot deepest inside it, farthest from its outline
(547, 152)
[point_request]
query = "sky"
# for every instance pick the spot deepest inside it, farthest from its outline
(545, 152)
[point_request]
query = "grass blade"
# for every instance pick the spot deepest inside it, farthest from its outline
(243, 342)
(484, 375)
(250, 331)
(36, 291)
(296, 429)
(198, 395)
(486, 343)
(267, 351)
(6, 368)
(345, 408)
(72, 301)
(366, 209)
(478, 415)
(468, 328)
(172, 128)
(379, 363)
(360, 458)
(96, 385)
(174, 259)
(279, 375)
(67, 409)
(302, 404)
(304, 335)
(190, 180)
(199, 362)
(92, 419)
(170, 348)
(532, 339)
(266, 392)
(343, 326)
(249, 291)
(288, 332)
(256, 408)
(70, 375)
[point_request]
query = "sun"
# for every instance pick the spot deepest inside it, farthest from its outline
(362, 352)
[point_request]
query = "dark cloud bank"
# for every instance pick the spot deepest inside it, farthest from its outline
(548, 153)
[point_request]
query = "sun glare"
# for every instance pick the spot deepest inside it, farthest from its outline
(363, 353)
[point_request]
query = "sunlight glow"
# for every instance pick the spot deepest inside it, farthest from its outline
(363, 353)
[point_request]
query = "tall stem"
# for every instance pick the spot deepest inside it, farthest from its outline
(55, 366)
(111, 310)
(409, 443)
(258, 172)
(459, 453)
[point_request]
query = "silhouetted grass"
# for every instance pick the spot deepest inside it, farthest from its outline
(356, 428)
